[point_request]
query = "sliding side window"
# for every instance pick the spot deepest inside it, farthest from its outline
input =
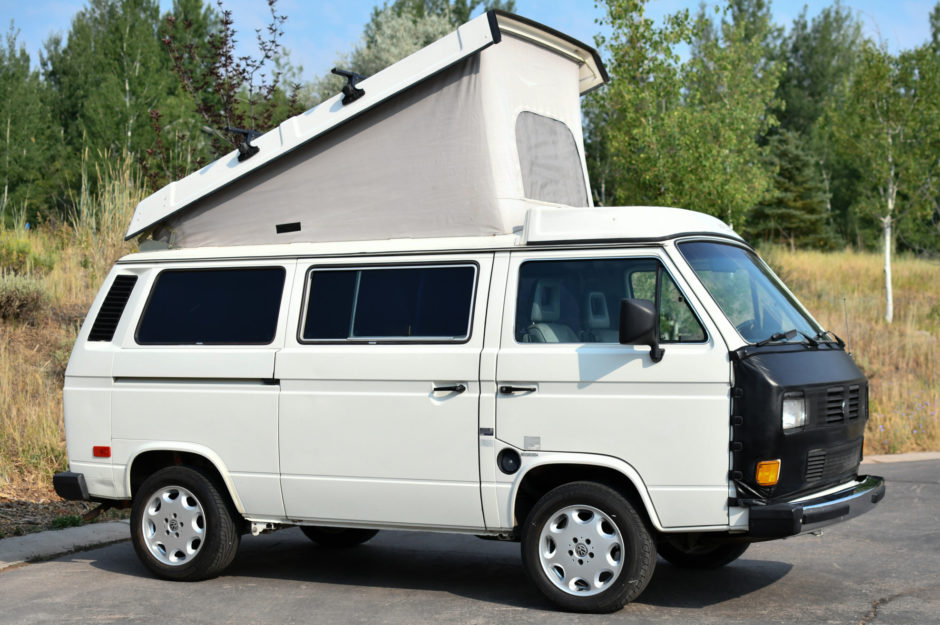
(390, 304)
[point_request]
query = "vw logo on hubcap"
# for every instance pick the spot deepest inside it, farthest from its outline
(581, 549)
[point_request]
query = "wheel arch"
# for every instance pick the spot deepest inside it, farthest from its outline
(152, 457)
(553, 470)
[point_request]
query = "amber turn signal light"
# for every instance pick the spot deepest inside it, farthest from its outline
(768, 472)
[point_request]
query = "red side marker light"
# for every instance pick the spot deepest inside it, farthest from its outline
(101, 451)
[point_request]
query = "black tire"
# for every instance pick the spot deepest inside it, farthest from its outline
(337, 537)
(610, 543)
(702, 554)
(183, 528)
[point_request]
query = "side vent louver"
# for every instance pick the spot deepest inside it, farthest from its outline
(112, 309)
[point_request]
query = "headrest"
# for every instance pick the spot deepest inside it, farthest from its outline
(546, 302)
(595, 311)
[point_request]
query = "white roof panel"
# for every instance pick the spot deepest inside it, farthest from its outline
(555, 224)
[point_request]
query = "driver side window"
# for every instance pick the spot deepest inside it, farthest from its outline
(578, 301)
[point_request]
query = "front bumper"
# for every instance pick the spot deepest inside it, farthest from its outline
(70, 486)
(811, 513)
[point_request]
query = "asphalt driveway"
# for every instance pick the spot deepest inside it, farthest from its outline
(883, 567)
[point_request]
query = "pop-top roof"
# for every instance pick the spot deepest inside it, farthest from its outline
(450, 141)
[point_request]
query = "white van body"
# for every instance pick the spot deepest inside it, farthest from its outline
(352, 434)
(406, 433)
(403, 311)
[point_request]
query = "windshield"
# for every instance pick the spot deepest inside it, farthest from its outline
(749, 294)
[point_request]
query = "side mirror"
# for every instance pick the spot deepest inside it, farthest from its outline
(638, 321)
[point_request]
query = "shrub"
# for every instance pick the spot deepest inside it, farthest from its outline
(17, 254)
(68, 520)
(21, 298)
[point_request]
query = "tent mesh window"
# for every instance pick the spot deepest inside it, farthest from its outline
(548, 156)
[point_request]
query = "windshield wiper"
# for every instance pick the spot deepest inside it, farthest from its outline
(833, 337)
(777, 336)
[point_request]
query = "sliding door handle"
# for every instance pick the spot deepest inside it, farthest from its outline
(456, 388)
(509, 390)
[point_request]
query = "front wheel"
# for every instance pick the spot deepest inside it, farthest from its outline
(182, 527)
(586, 548)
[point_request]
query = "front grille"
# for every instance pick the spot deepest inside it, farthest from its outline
(815, 465)
(841, 404)
(828, 464)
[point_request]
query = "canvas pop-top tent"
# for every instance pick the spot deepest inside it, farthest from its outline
(454, 140)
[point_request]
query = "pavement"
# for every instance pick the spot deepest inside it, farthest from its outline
(19, 550)
(42, 546)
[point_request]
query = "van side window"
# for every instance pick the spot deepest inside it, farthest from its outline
(578, 301)
(213, 307)
(390, 303)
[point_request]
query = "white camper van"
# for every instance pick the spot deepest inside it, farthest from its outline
(403, 312)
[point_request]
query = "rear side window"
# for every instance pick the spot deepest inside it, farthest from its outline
(390, 304)
(213, 307)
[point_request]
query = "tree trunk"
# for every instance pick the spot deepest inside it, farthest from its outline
(889, 296)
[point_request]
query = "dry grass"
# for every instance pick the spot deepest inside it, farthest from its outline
(33, 353)
(901, 358)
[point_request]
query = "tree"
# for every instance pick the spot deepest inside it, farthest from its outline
(229, 91)
(794, 210)
(935, 28)
(108, 75)
(681, 133)
(817, 55)
(889, 124)
(27, 136)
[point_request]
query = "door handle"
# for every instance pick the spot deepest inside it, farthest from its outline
(456, 388)
(509, 390)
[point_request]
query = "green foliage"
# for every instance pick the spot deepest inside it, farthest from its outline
(229, 91)
(22, 298)
(64, 521)
(818, 57)
(794, 210)
(108, 76)
(26, 134)
(18, 256)
(888, 123)
(681, 133)
(935, 28)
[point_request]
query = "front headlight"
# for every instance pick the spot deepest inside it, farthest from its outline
(794, 411)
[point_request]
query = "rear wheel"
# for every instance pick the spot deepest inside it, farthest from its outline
(697, 553)
(182, 527)
(587, 549)
(337, 537)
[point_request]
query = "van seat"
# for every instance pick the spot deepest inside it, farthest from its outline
(597, 320)
(546, 311)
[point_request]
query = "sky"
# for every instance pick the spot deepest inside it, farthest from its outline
(316, 31)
